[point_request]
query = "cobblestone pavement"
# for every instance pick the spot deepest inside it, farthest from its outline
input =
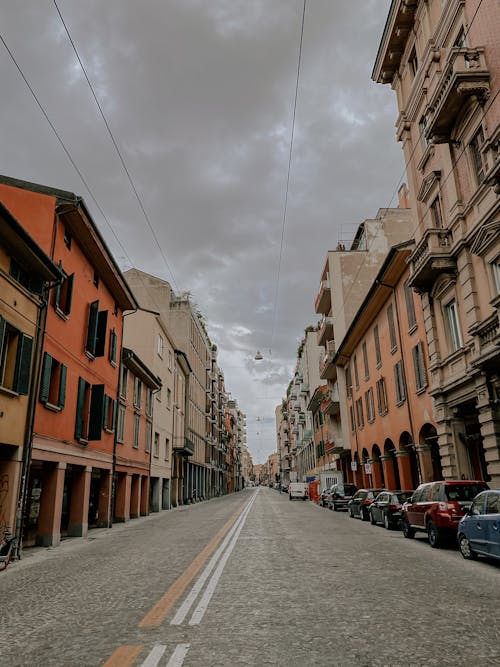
(302, 585)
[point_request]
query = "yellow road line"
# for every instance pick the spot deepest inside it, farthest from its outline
(157, 614)
(124, 656)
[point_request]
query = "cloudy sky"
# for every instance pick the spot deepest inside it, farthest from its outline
(199, 97)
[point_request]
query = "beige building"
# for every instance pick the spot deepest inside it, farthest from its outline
(146, 332)
(442, 60)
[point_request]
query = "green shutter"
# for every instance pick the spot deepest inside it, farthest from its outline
(2, 335)
(100, 343)
(45, 381)
(80, 403)
(92, 328)
(23, 364)
(69, 293)
(113, 424)
(112, 346)
(62, 386)
(57, 291)
(96, 410)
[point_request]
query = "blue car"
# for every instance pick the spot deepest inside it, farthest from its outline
(479, 529)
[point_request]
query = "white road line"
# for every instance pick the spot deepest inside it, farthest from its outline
(154, 656)
(210, 589)
(177, 657)
(183, 610)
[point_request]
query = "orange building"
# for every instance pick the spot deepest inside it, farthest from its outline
(70, 481)
(383, 362)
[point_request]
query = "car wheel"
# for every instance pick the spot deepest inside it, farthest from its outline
(407, 530)
(351, 514)
(372, 519)
(465, 548)
(363, 516)
(387, 523)
(433, 535)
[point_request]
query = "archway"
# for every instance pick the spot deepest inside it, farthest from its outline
(429, 438)
(378, 477)
(365, 476)
(411, 473)
(393, 480)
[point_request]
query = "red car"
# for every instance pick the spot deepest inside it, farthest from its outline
(437, 507)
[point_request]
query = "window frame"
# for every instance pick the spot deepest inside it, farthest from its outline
(16, 352)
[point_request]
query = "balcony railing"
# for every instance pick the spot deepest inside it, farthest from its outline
(487, 342)
(183, 446)
(322, 302)
(325, 331)
(464, 74)
(326, 368)
(432, 257)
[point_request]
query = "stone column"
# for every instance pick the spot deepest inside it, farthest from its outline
(79, 507)
(405, 476)
(144, 488)
(377, 474)
(135, 497)
(104, 509)
(123, 487)
(425, 462)
(49, 517)
(388, 466)
(489, 422)
(446, 427)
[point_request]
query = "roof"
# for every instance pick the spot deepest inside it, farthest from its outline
(139, 368)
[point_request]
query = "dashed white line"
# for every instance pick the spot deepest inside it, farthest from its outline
(177, 657)
(154, 656)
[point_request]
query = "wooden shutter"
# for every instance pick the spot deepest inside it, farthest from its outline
(80, 403)
(2, 336)
(92, 327)
(23, 364)
(57, 291)
(112, 346)
(105, 412)
(62, 386)
(45, 381)
(69, 293)
(96, 410)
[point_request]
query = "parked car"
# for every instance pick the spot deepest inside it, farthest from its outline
(298, 490)
(479, 529)
(387, 506)
(437, 507)
(340, 495)
(361, 501)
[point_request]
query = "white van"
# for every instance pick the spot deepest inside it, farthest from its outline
(298, 490)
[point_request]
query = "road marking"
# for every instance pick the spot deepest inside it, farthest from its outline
(124, 656)
(154, 656)
(177, 657)
(191, 597)
(157, 613)
(210, 589)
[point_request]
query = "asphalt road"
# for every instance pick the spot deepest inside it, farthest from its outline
(275, 583)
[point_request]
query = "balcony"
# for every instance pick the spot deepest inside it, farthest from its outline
(325, 331)
(304, 389)
(487, 343)
(322, 302)
(464, 75)
(327, 370)
(431, 258)
(183, 446)
(308, 434)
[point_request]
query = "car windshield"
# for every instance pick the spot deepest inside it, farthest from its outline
(347, 489)
(464, 492)
(403, 496)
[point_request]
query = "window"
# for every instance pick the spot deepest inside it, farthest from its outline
(169, 360)
(410, 308)
(113, 344)
(148, 437)
(365, 361)
(89, 411)
(376, 340)
(120, 423)
(370, 405)
(399, 381)
(478, 159)
(15, 358)
(493, 503)
(381, 397)
(136, 431)
(360, 419)
(413, 62)
(167, 449)
(159, 346)
(356, 375)
(53, 382)
(63, 293)
(156, 445)
(109, 414)
(348, 381)
(460, 39)
(67, 238)
(96, 279)
(149, 402)
(24, 278)
(419, 367)
(453, 325)
(392, 330)
(96, 331)
(495, 267)
(351, 415)
(137, 393)
(436, 213)
(124, 382)
(422, 126)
